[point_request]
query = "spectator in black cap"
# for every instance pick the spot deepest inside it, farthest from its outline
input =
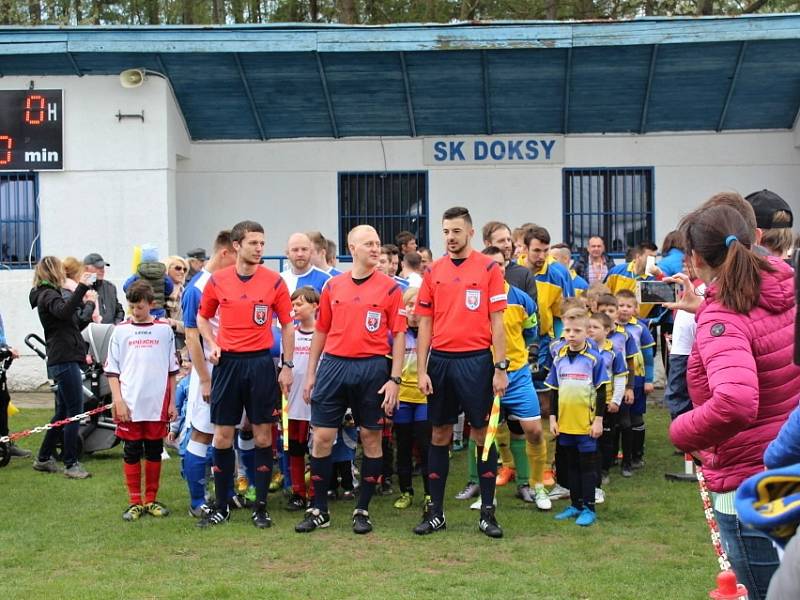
(111, 311)
(197, 258)
(774, 218)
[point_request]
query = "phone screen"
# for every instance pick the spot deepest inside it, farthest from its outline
(657, 292)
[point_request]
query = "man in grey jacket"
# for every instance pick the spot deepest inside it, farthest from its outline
(111, 310)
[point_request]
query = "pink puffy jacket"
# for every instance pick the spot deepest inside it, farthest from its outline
(742, 381)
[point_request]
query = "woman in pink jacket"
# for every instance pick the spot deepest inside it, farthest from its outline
(741, 378)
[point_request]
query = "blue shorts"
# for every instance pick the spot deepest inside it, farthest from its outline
(462, 381)
(243, 381)
(585, 443)
(520, 401)
(410, 412)
(353, 383)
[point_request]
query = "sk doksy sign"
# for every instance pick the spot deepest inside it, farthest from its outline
(525, 149)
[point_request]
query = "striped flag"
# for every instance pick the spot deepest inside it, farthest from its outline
(491, 430)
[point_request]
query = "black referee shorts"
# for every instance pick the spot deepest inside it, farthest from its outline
(462, 381)
(244, 381)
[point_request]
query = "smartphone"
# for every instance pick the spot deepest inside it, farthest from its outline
(650, 265)
(656, 292)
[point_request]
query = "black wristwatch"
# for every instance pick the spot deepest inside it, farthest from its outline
(288, 364)
(397, 380)
(502, 365)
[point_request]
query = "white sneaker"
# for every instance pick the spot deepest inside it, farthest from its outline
(558, 492)
(599, 496)
(477, 504)
(542, 499)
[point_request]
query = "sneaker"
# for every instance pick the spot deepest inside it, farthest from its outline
(296, 502)
(242, 484)
(478, 504)
(45, 466)
(261, 518)
(458, 445)
(348, 495)
(638, 464)
(627, 471)
(558, 492)
(386, 487)
(15, 451)
(200, 512)
(524, 493)
(215, 517)
(605, 478)
(133, 512)
(549, 477)
(76, 471)
(586, 518)
(156, 509)
(568, 513)
(599, 496)
(430, 524)
(470, 491)
(404, 501)
(361, 522)
(250, 495)
(277, 481)
(427, 507)
(504, 475)
(237, 501)
(314, 519)
(488, 523)
(542, 499)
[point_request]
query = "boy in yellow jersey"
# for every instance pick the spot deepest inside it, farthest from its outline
(411, 417)
(625, 276)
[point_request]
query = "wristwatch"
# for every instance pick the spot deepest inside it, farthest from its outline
(288, 364)
(397, 380)
(502, 365)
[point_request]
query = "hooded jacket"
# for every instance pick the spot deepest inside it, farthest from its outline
(742, 381)
(61, 333)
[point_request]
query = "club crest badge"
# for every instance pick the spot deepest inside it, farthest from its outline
(260, 314)
(373, 321)
(472, 299)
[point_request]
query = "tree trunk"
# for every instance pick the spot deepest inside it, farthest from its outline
(5, 12)
(255, 11)
(153, 16)
(551, 10)
(187, 12)
(35, 12)
(218, 11)
(705, 7)
(313, 10)
(347, 12)
(237, 11)
(468, 9)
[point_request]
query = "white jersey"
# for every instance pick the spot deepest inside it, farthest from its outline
(142, 356)
(298, 409)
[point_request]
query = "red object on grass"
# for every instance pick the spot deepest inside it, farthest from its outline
(728, 588)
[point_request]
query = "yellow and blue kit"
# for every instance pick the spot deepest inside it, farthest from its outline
(614, 363)
(624, 277)
(578, 283)
(643, 368)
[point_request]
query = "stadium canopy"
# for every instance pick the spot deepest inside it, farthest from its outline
(328, 81)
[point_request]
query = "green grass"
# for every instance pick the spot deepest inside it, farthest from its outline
(65, 539)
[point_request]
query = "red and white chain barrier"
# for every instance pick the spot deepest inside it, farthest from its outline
(708, 509)
(27, 432)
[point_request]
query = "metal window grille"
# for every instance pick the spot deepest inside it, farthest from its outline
(390, 202)
(19, 220)
(615, 204)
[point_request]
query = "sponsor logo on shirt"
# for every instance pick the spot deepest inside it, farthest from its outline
(472, 299)
(373, 321)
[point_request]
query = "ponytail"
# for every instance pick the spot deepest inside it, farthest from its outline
(739, 278)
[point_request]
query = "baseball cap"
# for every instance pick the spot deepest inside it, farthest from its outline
(198, 253)
(765, 204)
(94, 259)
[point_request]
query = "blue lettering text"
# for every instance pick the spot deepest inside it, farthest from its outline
(514, 150)
(498, 150)
(547, 145)
(455, 151)
(481, 150)
(532, 151)
(439, 151)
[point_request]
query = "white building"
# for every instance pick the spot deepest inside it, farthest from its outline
(303, 128)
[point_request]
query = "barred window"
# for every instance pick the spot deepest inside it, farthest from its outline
(19, 220)
(615, 204)
(390, 202)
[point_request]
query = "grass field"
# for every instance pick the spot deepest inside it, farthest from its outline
(65, 539)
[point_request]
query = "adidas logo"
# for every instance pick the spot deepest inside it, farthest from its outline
(488, 475)
(433, 476)
(263, 469)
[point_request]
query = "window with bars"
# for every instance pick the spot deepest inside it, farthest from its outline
(615, 204)
(390, 202)
(19, 220)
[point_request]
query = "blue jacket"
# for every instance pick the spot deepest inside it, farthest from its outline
(671, 262)
(784, 450)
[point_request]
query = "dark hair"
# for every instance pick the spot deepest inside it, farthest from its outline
(331, 250)
(707, 232)
(390, 249)
(404, 237)
(242, 228)
(607, 300)
(560, 246)
(223, 241)
(457, 212)
(735, 201)
(491, 227)
(603, 318)
(646, 245)
(674, 239)
(413, 260)
(308, 293)
(423, 250)
(536, 233)
(491, 251)
(140, 290)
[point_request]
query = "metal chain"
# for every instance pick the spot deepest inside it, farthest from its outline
(708, 509)
(27, 432)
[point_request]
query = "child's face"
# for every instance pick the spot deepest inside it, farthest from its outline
(608, 309)
(303, 310)
(627, 308)
(411, 316)
(140, 311)
(575, 334)
(596, 331)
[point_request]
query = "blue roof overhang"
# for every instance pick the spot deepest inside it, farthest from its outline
(294, 81)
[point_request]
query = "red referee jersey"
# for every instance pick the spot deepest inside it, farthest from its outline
(359, 317)
(246, 308)
(460, 298)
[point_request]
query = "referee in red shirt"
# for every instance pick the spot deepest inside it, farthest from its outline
(460, 306)
(358, 311)
(247, 296)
